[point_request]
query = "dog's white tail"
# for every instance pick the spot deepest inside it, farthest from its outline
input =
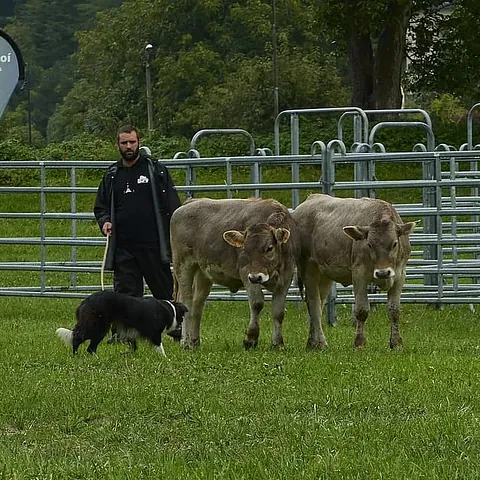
(65, 335)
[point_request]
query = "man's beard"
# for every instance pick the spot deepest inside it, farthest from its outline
(130, 155)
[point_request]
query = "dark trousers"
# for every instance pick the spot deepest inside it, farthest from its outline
(132, 265)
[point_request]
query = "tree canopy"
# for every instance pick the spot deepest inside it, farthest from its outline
(445, 54)
(213, 61)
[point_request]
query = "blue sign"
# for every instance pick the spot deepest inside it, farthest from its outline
(11, 68)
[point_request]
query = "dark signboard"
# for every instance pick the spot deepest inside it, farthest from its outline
(11, 68)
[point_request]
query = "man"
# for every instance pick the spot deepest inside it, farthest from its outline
(134, 204)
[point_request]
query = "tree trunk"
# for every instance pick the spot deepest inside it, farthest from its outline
(376, 80)
(390, 56)
(360, 56)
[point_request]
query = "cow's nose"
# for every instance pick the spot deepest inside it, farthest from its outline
(257, 277)
(383, 273)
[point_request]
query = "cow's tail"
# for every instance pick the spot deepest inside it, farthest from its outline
(65, 335)
(300, 286)
(175, 288)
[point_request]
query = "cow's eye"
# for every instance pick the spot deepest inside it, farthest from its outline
(369, 245)
(270, 249)
(395, 243)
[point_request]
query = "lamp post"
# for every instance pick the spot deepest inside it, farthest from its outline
(148, 81)
(274, 60)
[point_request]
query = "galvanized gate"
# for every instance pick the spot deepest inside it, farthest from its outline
(444, 266)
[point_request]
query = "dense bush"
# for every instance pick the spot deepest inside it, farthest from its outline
(84, 147)
(90, 147)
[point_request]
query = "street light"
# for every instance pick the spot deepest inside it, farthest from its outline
(148, 81)
(275, 60)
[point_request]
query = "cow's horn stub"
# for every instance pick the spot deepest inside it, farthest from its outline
(275, 219)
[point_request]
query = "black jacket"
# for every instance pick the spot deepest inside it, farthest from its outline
(165, 202)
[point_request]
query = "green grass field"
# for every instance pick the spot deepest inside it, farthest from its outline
(223, 413)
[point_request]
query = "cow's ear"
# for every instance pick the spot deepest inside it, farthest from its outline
(405, 228)
(282, 235)
(355, 233)
(275, 219)
(234, 238)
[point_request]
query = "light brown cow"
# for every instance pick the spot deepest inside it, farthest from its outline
(351, 241)
(235, 243)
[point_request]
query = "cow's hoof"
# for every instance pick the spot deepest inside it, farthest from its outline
(249, 344)
(317, 345)
(278, 346)
(397, 343)
(190, 345)
(360, 342)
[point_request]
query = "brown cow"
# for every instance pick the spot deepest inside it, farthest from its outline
(235, 243)
(351, 241)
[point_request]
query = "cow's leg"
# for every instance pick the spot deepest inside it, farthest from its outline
(278, 313)
(361, 311)
(393, 311)
(316, 292)
(191, 324)
(256, 302)
(185, 275)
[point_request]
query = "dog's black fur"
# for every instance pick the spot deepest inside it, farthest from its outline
(131, 318)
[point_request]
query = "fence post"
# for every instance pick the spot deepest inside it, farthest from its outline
(73, 209)
(43, 210)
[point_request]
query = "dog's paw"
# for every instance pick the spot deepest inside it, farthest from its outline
(161, 350)
(113, 339)
(175, 334)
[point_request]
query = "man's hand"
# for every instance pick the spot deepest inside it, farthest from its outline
(107, 228)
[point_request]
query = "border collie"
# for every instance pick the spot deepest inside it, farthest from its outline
(131, 318)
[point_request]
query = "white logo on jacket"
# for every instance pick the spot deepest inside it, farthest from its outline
(142, 179)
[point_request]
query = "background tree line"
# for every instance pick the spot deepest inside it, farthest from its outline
(212, 63)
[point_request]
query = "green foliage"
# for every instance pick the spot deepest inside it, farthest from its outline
(164, 147)
(45, 33)
(13, 149)
(93, 147)
(6, 10)
(214, 67)
(210, 69)
(448, 109)
(446, 53)
(245, 100)
(14, 126)
(83, 147)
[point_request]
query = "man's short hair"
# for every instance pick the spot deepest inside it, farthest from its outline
(128, 129)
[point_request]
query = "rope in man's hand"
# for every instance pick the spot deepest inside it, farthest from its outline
(102, 270)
